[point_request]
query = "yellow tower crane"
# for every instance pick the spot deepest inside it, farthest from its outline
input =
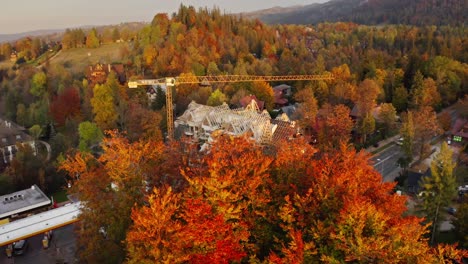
(207, 80)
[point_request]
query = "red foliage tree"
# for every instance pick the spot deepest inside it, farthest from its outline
(66, 105)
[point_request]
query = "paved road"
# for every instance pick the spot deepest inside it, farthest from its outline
(385, 162)
(63, 246)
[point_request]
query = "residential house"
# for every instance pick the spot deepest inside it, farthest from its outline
(282, 93)
(97, 74)
(14, 56)
(415, 175)
(459, 131)
(246, 100)
(356, 113)
(11, 134)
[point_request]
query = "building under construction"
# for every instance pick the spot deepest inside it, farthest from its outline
(200, 121)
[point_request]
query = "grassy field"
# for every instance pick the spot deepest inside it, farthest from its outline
(6, 64)
(76, 60)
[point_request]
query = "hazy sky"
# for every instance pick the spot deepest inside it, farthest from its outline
(25, 15)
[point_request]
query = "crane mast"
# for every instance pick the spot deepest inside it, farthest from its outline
(169, 82)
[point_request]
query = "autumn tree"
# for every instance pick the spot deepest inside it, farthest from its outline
(104, 110)
(430, 95)
(425, 93)
(65, 105)
(335, 126)
(445, 121)
(234, 182)
(342, 89)
(90, 135)
(416, 90)
(38, 84)
(182, 231)
(308, 108)
(329, 224)
(320, 218)
(149, 54)
(264, 92)
(5, 51)
(26, 168)
(159, 245)
(92, 40)
(388, 116)
(109, 186)
(426, 127)
(183, 92)
(367, 94)
(38, 113)
(143, 123)
(400, 99)
(21, 115)
(216, 98)
(439, 188)
(407, 132)
(366, 126)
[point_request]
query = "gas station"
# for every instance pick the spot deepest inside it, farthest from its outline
(27, 213)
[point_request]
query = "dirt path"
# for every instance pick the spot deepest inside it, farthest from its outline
(50, 59)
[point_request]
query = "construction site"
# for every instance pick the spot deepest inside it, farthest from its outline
(199, 122)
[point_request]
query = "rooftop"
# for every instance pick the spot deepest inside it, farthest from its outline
(10, 133)
(22, 201)
(460, 128)
(39, 223)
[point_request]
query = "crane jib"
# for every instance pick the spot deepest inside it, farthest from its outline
(208, 80)
(225, 79)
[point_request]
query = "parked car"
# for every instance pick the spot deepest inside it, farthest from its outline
(399, 142)
(452, 210)
(20, 247)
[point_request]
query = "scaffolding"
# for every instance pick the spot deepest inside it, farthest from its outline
(200, 121)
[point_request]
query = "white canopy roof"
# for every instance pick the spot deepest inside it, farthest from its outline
(39, 223)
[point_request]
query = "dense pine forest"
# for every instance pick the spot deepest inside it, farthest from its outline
(295, 202)
(373, 12)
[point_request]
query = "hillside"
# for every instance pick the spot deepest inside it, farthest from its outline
(372, 12)
(77, 59)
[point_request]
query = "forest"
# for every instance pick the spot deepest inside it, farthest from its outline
(292, 202)
(375, 12)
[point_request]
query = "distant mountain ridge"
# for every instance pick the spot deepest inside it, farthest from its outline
(370, 12)
(271, 11)
(56, 34)
(35, 33)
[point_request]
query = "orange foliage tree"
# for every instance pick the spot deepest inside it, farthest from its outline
(334, 126)
(234, 182)
(172, 230)
(287, 204)
(109, 186)
(348, 214)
